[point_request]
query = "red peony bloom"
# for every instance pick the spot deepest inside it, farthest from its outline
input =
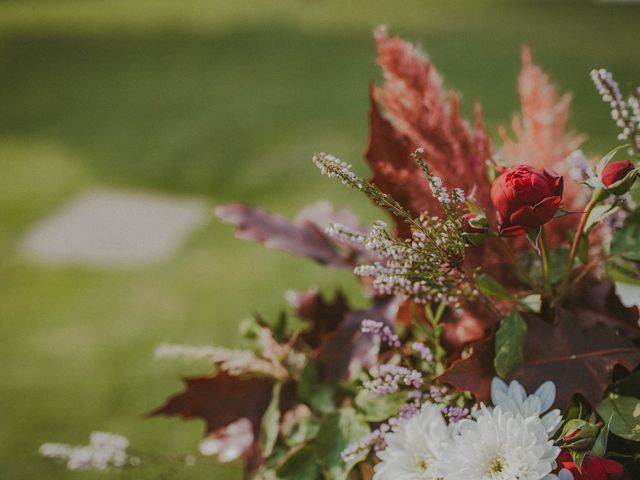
(525, 198)
(615, 171)
(593, 468)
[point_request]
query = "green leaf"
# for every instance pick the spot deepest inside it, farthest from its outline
(533, 236)
(532, 302)
(600, 445)
(381, 407)
(509, 346)
(625, 415)
(578, 458)
(626, 241)
(598, 214)
(629, 385)
(491, 287)
(302, 431)
(271, 422)
(558, 260)
(561, 212)
(337, 431)
(474, 207)
(299, 465)
(319, 396)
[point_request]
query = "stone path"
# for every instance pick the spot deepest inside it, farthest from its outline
(107, 227)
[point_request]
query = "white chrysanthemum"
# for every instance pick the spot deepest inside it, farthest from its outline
(499, 445)
(513, 398)
(414, 449)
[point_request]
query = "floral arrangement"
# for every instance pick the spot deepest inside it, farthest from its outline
(495, 345)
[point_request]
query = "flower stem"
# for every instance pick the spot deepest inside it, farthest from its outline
(544, 256)
(574, 249)
(517, 262)
(434, 319)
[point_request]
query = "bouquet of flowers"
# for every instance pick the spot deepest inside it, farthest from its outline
(495, 345)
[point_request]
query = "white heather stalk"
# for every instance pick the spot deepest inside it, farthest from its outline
(233, 361)
(624, 113)
(104, 451)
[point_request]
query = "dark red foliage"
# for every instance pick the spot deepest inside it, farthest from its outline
(593, 301)
(474, 372)
(578, 360)
(347, 349)
(220, 400)
(302, 236)
(324, 317)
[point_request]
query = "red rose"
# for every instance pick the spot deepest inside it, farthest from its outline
(593, 468)
(615, 171)
(525, 198)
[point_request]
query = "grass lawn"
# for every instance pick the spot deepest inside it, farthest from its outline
(226, 101)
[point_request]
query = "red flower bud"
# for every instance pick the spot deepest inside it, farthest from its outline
(468, 226)
(615, 171)
(593, 468)
(525, 198)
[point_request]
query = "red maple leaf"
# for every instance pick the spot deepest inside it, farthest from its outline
(222, 399)
(324, 316)
(578, 360)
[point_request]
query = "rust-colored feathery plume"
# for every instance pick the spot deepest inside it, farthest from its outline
(420, 112)
(542, 138)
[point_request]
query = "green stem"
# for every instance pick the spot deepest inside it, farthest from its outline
(574, 248)
(438, 351)
(544, 256)
(516, 261)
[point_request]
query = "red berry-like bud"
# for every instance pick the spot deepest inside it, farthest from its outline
(615, 171)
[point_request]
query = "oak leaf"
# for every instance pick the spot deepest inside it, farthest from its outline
(220, 400)
(578, 360)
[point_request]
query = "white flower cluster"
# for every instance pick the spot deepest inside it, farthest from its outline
(512, 440)
(626, 113)
(272, 358)
(104, 451)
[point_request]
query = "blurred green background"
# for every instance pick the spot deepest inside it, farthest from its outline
(224, 100)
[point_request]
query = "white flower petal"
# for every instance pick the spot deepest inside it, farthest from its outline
(414, 449)
(498, 386)
(565, 474)
(547, 395)
(517, 392)
(500, 445)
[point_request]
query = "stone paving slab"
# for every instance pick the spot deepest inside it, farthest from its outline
(109, 227)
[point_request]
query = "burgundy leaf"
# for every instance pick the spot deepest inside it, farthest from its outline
(578, 360)
(325, 317)
(474, 372)
(347, 349)
(593, 301)
(301, 237)
(220, 400)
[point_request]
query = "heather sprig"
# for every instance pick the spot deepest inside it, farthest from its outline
(625, 112)
(426, 267)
